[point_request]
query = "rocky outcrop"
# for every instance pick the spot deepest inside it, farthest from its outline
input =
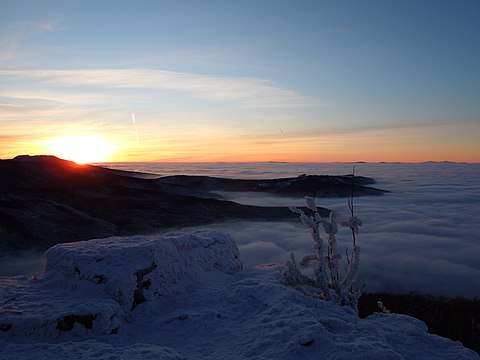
(90, 287)
(133, 269)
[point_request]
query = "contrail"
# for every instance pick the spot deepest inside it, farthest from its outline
(135, 125)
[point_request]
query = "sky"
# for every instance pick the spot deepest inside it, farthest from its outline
(240, 80)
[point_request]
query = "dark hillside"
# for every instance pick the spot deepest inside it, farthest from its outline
(45, 200)
(310, 185)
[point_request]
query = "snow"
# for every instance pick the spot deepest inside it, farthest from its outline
(197, 303)
(143, 267)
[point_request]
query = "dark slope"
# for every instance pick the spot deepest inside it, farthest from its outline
(45, 200)
(311, 185)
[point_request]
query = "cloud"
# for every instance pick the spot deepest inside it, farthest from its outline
(248, 90)
(24, 263)
(11, 105)
(423, 236)
(15, 35)
(35, 99)
(260, 253)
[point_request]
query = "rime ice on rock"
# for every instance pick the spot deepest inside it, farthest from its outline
(101, 280)
(133, 269)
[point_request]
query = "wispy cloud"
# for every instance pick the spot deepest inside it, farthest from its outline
(11, 105)
(248, 90)
(14, 36)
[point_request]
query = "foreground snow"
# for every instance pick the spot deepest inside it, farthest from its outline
(183, 296)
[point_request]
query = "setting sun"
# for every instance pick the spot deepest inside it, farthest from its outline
(82, 149)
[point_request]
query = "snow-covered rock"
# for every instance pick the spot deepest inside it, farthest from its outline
(90, 349)
(89, 286)
(52, 307)
(207, 310)
(134, 269)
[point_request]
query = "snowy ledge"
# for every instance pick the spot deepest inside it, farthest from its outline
(183, 296)
(91, 286)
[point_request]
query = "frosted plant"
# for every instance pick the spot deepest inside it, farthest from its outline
(382, 307)
(319, 280)
(326, 282)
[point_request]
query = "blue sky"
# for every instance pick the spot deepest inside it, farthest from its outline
(243, 80)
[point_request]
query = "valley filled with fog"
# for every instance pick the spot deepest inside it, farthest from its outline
(421, 237)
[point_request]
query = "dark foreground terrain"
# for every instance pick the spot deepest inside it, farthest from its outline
(45, 200)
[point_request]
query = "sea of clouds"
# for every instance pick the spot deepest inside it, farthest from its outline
(423, 236)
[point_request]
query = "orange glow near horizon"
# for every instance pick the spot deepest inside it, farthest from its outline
(401, 145)
(239, 152)
(81, 149)
(379, 145)
(302, 149)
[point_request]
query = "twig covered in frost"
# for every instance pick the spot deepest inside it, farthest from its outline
(295, 276)
(330, 228)
(382, 307)
(326, 279)
(352, 270)
(353, 223)
(312, 222)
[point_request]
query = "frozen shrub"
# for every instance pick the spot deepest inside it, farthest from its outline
(382, 307)
(326, 282)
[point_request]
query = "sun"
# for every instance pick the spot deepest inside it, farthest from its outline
(81, 149)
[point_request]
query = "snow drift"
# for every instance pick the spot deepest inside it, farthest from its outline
(183, 296)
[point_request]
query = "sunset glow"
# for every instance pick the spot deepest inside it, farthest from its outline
(81, 149)
(258, 81)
